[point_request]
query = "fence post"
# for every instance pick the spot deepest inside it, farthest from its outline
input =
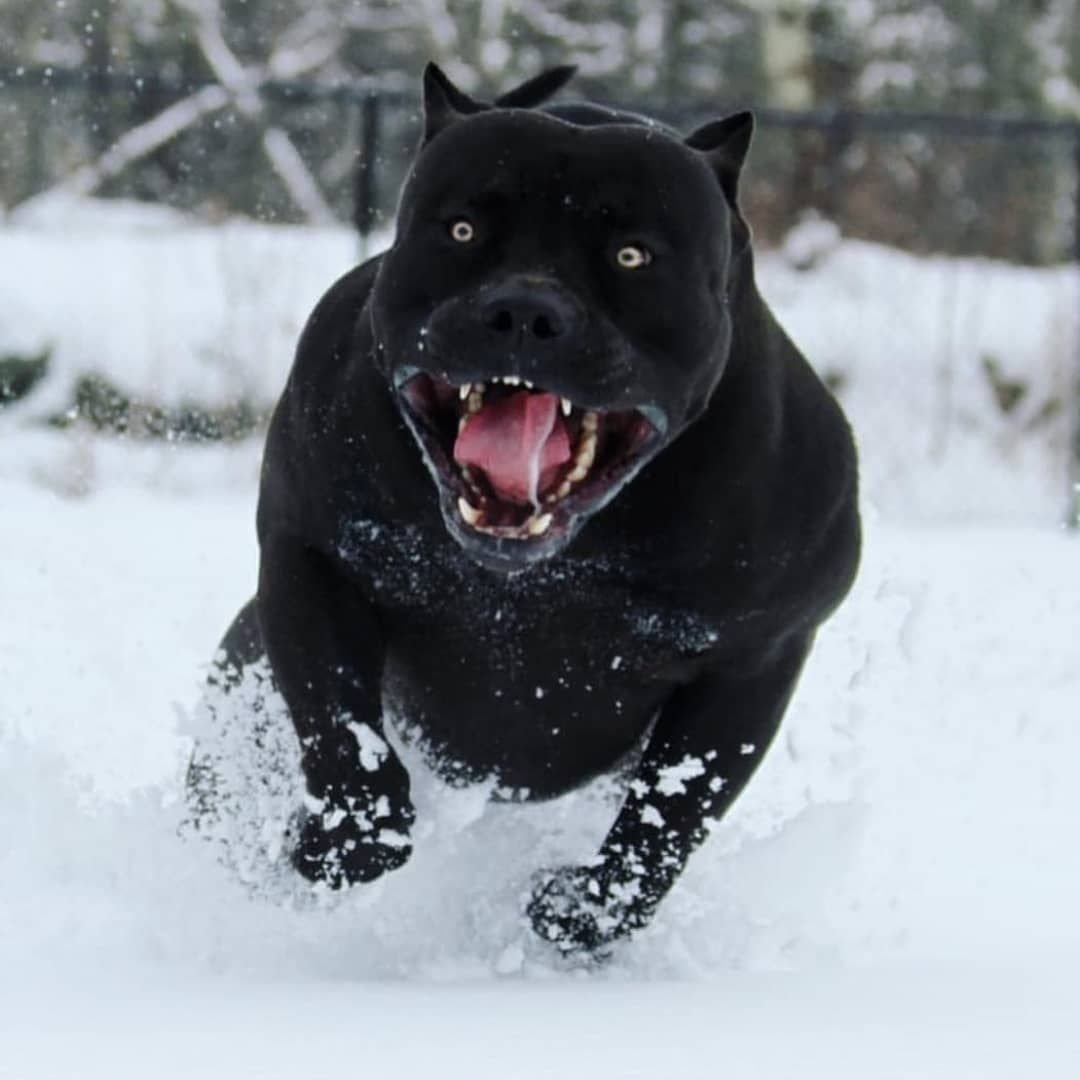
(100, 90)
(1072, 514)
(365, 181)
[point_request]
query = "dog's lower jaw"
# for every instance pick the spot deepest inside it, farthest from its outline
(506, 555)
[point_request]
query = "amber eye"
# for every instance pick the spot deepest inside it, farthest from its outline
(462, 231)
(632, 257)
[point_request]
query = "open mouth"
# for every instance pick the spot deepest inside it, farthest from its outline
(520, 462)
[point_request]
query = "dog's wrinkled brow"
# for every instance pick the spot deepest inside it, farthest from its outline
(575, 201)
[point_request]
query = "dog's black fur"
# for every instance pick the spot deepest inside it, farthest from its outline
(665, 609)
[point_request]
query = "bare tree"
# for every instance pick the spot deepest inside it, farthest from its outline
(306, 46)
(243, 83)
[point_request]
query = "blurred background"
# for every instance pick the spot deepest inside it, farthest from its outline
(180, 179)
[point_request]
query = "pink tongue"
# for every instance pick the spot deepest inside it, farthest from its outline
(518, 442)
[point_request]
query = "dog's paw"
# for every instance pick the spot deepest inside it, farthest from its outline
(582, 911)
(340, 846)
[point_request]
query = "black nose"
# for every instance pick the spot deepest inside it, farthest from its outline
(533, 313)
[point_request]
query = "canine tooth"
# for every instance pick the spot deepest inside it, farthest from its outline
(468, 511)
(567, 406)
(538, 524)
(590, 422)
(475, 399)
(528, 383)
(464, 390)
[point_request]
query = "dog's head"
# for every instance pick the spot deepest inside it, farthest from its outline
(553, 312)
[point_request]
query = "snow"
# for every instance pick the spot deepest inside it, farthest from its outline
(890, 1028)
(185, 312)
(893, 896)
(373, 750)
(672, 780)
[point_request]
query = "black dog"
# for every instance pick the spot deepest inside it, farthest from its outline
(548, 477)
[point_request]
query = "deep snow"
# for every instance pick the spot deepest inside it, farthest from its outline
(894, 895)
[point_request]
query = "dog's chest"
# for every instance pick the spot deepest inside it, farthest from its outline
(599, 616)
(542, 678)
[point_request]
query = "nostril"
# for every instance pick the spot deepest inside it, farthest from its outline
(501, 321)
(544, 327)
(542, 316)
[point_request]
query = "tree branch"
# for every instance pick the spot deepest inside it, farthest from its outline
(138, 142)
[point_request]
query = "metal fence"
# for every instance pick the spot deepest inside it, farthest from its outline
(1003, 187)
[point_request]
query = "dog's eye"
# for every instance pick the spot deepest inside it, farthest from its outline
(632, 257)
(462, 230)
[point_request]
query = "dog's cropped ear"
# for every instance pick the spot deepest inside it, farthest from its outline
(444, 102)
(537, 89)
(724, 145)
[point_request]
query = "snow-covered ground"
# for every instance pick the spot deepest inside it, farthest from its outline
(895, 896)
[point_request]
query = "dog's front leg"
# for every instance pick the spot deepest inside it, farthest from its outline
(708, 740)
(326, 649)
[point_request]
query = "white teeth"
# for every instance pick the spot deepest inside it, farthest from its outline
(468, 511)
(512, 380)
(528, 383)
(476, 398)
(559, 493)
(537, 525)
(464, 390)
(567, 407)
(584, 456)
(586, 451)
